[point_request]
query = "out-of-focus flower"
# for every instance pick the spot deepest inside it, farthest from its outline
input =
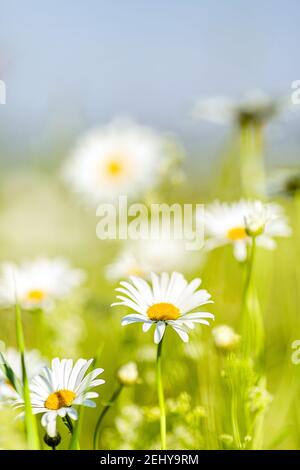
(284, 182)
(225, 223)
(145, 256)
(168, 301)
(259, 398)
(122, 158)
(34, 365)
(56, 390)
(225, 338)
(128, 374)
(37, 284)
(255, 106)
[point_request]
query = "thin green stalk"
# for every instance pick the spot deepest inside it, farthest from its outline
(252, 165)
(252, 326)
(114, 397)
(30, 422)
(161, 400)
(74, 442)
(234, 416)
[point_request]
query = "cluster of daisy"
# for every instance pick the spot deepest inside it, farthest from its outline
(124, 158)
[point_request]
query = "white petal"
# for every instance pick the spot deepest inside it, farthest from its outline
(159, 332)
(72, 413)
(240, 250)
(181, 332)
(146, 326)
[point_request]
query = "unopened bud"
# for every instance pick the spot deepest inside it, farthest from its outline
(225, 338)
(128, 374)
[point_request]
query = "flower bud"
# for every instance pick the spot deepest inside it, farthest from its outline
(128, 374)
(225, 338)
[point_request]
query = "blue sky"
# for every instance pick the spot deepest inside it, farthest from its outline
(76, 63)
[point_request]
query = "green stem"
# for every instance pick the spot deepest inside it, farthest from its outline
(234, 416)
(160, 392)
(252, 165)
(251, 316)
(30, 422)
(74, 442)
(113, 398)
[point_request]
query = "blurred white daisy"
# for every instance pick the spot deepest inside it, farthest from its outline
(128, 374)
(255, 106)
(231, 223)
(122, 158)
(56, 390)
(225, 338)
(170, 300)
(284, 182)
(38, 283)
(34, 365)
(144, 256)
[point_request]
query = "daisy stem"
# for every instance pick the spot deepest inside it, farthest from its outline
(30, 422)
(252, 327)
(112, 400)
(160, 392)
(252, 165)
(234, 414)
(74, 442)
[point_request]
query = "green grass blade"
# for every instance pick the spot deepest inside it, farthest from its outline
(30, 422)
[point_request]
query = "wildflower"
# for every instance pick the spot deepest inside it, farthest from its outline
(128, 374)
(37, 284)
(121, 158)
(254, 107)
(233, 223)
(225, 338)
(284, 182)
(170, 300)
(56, 390)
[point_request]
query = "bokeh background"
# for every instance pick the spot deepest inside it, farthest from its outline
(72, 65)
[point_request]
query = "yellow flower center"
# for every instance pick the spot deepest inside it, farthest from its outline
(60, 399)
(135, 271)
(35, 295)
(163, 311)
(237, 233)
(114, 167)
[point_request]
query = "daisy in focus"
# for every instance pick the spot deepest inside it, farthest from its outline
(167, 300)
(56, 390)
(121, 158)
(34, 365)
(37, 284)
(235, 223)
(255, 106)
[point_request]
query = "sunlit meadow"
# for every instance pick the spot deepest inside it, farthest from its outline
(189, 374)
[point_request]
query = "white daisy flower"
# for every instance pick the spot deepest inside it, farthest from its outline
(170, 300)
(128, 374)
(38, 283)
(121, 158)
(146, 256)
(230, 223)
(225, 338)
(284, 182)
(255, 106)
(56, 390)
(34, 365)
